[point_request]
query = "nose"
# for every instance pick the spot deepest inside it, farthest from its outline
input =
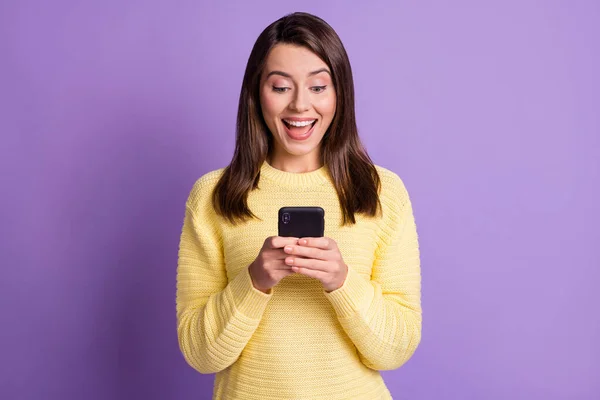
(300, 102)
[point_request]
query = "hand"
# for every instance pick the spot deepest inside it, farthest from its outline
(269, 267)
(318, 258)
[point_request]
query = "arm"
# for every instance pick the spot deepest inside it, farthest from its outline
(215, 318)
(382, 316)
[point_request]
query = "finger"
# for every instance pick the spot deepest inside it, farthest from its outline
(281, 265)
(313, 273)
(281, 254)
(324, 243)
(307, 252)
(308, 263)
(278, 242)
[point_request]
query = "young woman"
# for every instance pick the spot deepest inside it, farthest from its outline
(298, 318)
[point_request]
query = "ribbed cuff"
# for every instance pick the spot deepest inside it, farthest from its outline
(247, 299)
(353, 297)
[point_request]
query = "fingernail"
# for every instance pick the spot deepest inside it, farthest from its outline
(288, 249)
(303, 241)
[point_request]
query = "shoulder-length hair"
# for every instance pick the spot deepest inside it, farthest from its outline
(353, 173)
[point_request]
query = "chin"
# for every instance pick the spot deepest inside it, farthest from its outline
(300, 149)
(297, 150)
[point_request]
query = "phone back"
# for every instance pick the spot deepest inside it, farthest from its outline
(301, 222)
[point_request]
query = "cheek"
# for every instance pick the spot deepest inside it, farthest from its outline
(326, 106)
(271, 105)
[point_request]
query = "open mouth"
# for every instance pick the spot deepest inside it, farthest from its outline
(299, 128)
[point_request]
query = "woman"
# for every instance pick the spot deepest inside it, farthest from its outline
(298, 318)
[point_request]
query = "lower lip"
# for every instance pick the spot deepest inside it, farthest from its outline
(299, 137)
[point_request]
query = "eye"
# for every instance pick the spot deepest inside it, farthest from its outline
(280, 89)
(318, 89)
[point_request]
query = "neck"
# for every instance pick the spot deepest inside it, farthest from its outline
(295, 164)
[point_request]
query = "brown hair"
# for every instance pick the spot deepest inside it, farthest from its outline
(351, 169)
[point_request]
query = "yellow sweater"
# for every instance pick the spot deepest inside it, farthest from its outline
(298, 341)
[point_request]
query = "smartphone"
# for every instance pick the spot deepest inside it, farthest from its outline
(301, 222)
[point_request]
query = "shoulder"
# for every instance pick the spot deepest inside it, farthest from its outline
(202, 189)
(392, 186)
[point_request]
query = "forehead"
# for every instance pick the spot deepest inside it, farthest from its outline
(297, 61)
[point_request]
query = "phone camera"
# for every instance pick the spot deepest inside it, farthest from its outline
(285, 218)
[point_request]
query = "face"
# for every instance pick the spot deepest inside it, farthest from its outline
(298, 102)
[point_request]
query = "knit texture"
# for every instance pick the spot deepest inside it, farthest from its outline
(298, 341)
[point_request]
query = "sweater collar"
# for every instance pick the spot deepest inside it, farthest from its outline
(303, 179)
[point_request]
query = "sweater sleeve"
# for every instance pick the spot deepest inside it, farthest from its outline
(215, 317)
(382, 316)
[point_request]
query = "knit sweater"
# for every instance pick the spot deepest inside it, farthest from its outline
(298, 341)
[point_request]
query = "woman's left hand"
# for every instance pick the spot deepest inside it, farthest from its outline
(318, 258)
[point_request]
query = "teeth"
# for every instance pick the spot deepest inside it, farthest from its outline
(299, 123)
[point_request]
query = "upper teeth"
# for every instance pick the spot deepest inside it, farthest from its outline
(299, 123)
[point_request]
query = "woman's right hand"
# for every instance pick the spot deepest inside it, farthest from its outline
(269, 267)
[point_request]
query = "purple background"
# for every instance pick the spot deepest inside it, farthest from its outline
(109, 111)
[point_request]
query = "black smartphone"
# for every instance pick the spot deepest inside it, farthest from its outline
(301, 222)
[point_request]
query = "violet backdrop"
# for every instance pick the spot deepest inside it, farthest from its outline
(488, 110)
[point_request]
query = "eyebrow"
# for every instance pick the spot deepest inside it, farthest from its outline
(285, 74)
